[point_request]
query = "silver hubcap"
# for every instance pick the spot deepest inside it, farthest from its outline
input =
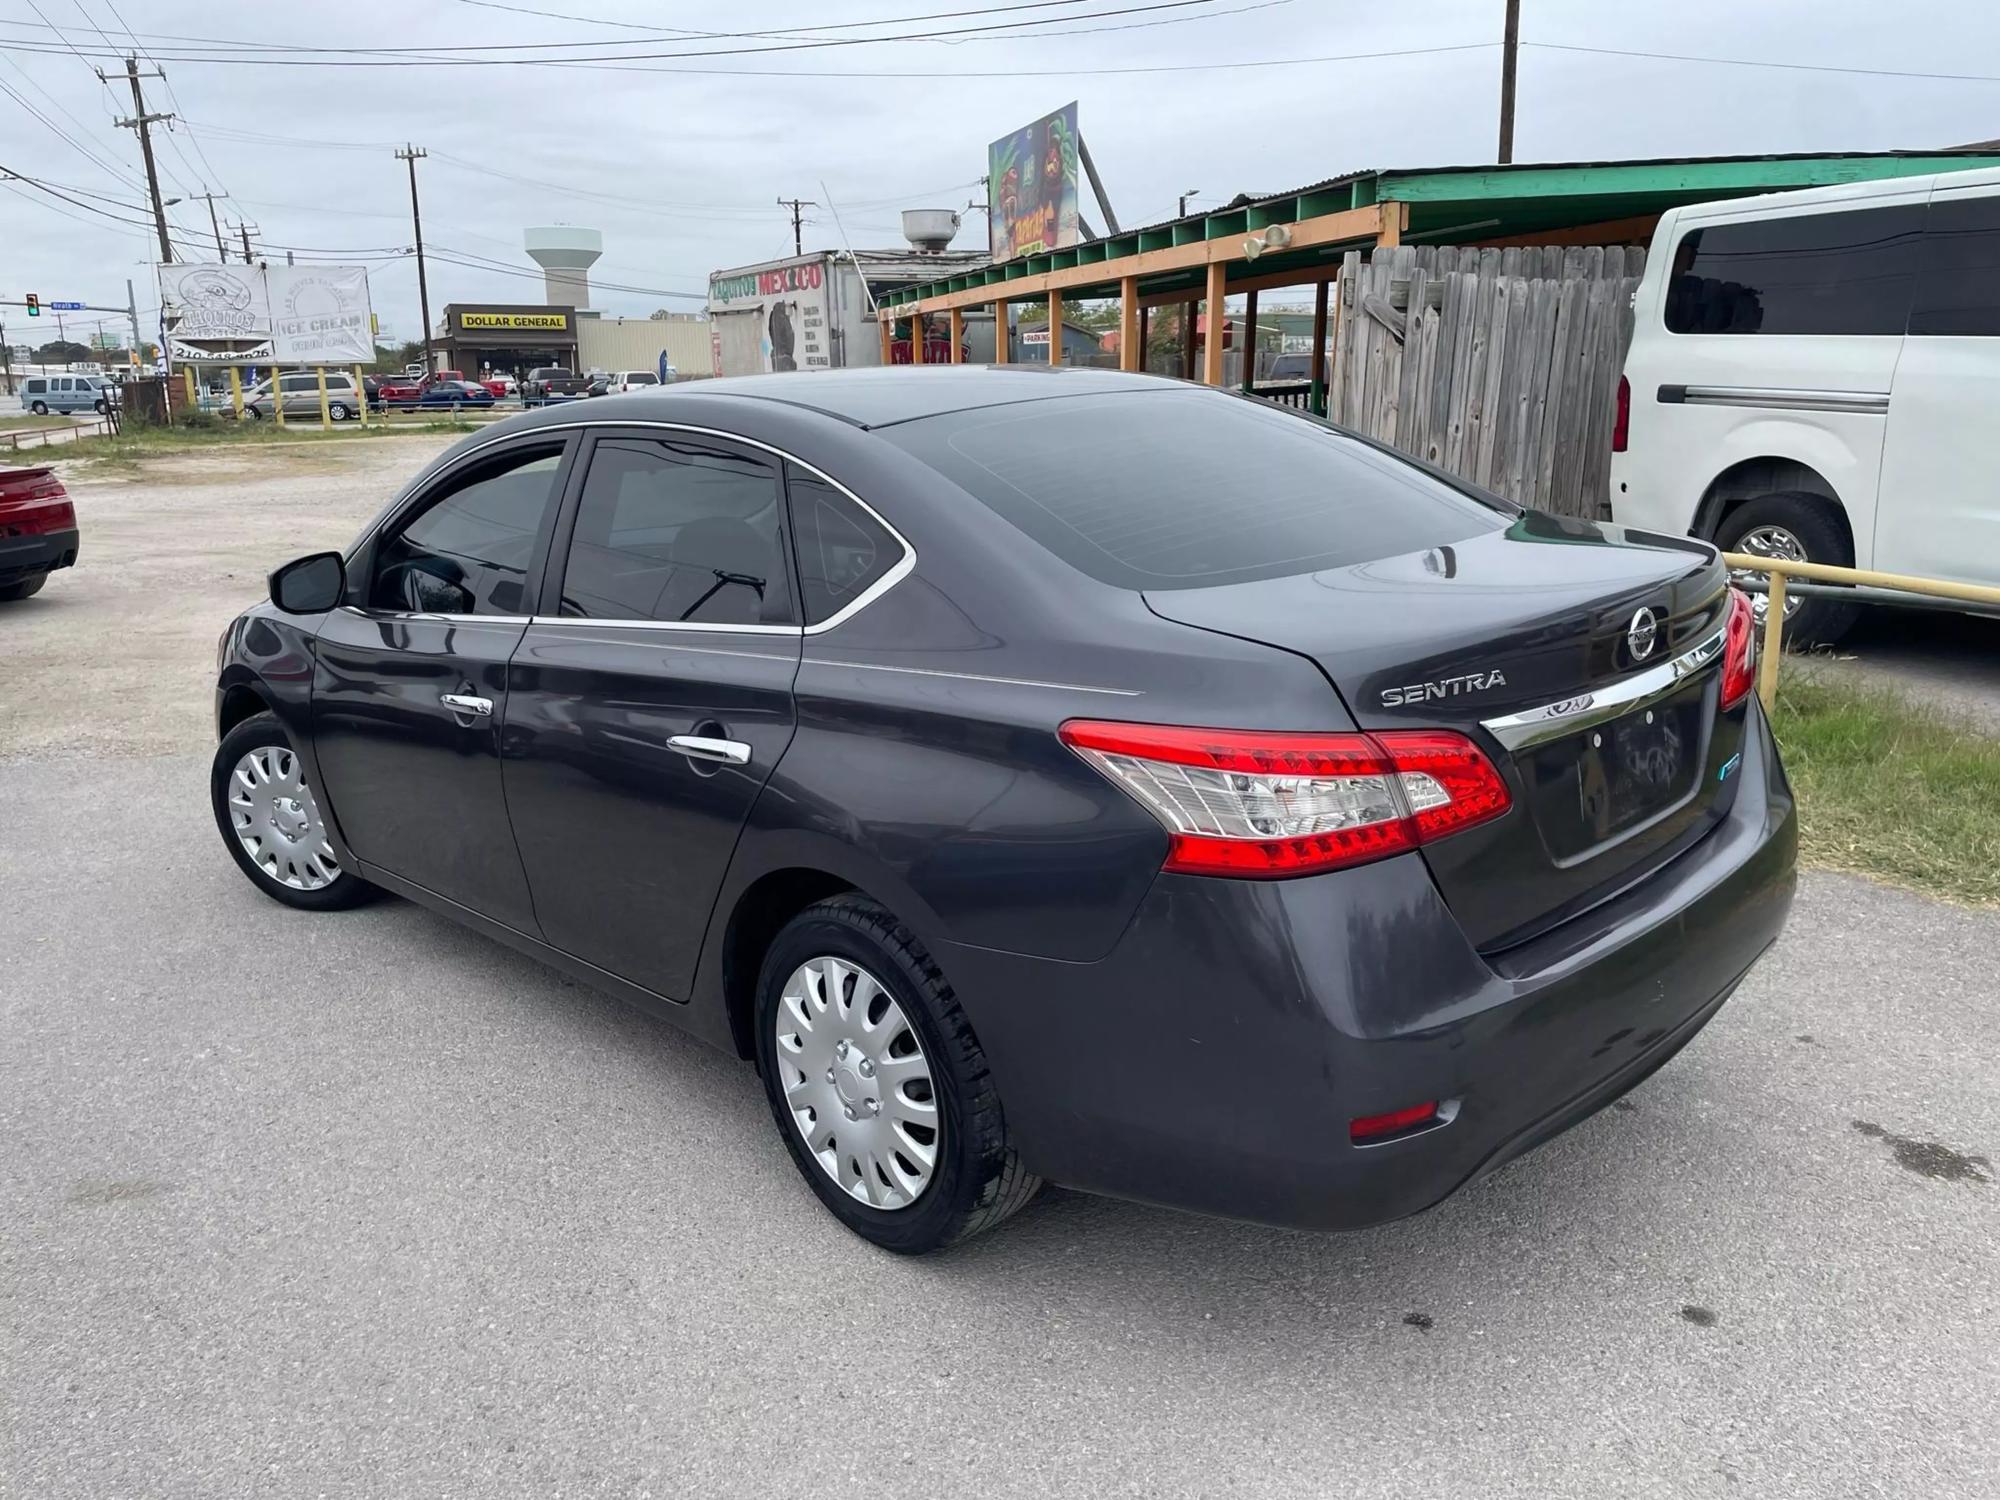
(857, 1083)
(1769, 541)
(278, 823)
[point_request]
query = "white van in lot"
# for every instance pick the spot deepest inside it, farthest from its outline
(1816, 375)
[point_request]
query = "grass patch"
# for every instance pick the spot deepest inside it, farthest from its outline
(27, 420)
(210, 435)
(1891, 788)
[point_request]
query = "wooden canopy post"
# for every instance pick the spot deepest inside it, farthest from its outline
(1188, 319)
(1250, 341)
(1002, 345)
(1145, 332)
(1316, 399)
(1131, 349)
(916, 338)
(957, 336)
(888, 327)
(1055, 328)
(1211, 351)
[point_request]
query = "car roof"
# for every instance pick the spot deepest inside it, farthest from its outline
(881, 397)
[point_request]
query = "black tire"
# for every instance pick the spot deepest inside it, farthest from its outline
(1810, 519)
(339, 411)
(102, 408)
(22, 588)
(345, 890)
(978, 1181)
(253, 414)
(40, 408)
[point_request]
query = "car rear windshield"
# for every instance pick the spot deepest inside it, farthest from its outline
(642, 377)
(554, 372)
(1184, 488)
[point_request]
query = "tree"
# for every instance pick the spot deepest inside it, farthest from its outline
(61, 352)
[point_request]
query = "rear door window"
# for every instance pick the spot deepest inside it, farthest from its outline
(1958, 282)
(1837, 273)
(1180, 488)
(679, 532)
(843, 551)
(469, 549)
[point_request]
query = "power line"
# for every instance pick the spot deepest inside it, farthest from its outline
(286, 54)
(1753, 62)
(943, 15)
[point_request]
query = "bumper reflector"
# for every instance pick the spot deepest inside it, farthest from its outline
(1366, 1128)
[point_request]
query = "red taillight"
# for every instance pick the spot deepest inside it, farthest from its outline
(38, 517)
(1395, 1122)
(1739, 657)
(1261, 805)
(1621, 425)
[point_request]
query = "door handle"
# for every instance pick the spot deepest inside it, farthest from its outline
(462, 703)
(700, 747)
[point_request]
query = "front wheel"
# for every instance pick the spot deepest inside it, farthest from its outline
(40, 408)
(877, 1084)
(272, 824)
(253, 414)
(1794, 528)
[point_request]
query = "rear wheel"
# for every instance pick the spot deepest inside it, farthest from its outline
(24, 588)
(271, 821)
(1794, 528)
(877, 1084)
(339, 411)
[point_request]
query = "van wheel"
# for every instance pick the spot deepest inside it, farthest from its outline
(40, 408)
(1798, 528)
(102, 408)
(338, 411)
(253, 414)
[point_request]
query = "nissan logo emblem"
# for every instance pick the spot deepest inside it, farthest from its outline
(1643, 634)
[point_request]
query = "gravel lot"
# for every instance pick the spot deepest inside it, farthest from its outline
(363, 1205)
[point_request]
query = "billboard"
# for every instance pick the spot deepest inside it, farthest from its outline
(303, 315)
(774, 319)
(1031, 185)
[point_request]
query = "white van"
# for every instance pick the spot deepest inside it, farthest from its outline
(1816, 375)
(42, 394)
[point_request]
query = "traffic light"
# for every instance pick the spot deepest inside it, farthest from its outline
(34, 305)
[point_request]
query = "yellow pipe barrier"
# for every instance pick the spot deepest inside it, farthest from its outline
(1781, 568)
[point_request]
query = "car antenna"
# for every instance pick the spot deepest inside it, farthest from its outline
(849, 248)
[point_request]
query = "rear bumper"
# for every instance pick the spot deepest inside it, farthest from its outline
(24, 556)
(1214, 1059)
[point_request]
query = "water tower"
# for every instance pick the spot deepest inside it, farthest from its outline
(565, 256)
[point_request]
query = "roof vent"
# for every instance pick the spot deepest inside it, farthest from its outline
(930, 230)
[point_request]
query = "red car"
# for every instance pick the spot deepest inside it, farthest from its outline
(396, 390)
(37, 530)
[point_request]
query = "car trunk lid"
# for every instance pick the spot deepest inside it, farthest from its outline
(1584, 659)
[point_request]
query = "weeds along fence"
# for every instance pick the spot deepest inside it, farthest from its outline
(1499, 365)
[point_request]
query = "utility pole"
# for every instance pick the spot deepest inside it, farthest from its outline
(1509, 55)
(1184, 198)
(132, 308)
(244, 229)
(142, 122)
(412, 155)
(213, 223)
(795, 205)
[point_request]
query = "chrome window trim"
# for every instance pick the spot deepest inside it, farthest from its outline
(607, 624)
(1532, 726)
(412, 614)
(903, 568)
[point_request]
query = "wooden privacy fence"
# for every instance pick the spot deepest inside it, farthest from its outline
(1499, 365)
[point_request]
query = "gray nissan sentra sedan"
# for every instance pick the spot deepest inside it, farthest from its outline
(1042, 775)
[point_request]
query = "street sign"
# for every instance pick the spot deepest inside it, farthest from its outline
(67, 306)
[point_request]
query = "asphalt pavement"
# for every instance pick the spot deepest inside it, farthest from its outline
(363, 1204)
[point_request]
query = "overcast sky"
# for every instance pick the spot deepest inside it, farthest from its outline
(681, 169)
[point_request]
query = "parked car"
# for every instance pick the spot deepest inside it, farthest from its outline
(846, 724)
(42, 394)
(299, 391)
(399, 390)
(1813, 376)
(551, 383)
(622, 382)
(500, 385)
(1289, 367)
(597, 384)
(455, 393)
(38, 531)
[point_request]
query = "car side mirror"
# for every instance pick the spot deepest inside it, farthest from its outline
(310, 585)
